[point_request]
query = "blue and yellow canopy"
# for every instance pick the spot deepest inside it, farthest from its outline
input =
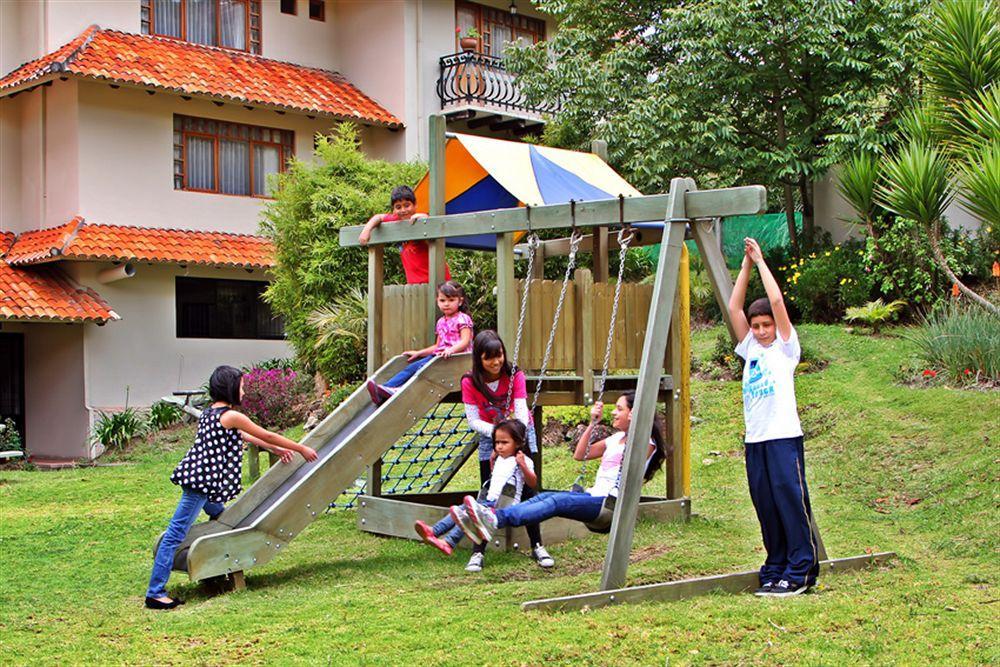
(483, 174)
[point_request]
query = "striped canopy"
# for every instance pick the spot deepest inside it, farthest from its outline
(483, 174)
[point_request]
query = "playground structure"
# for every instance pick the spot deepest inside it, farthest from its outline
(652, 335)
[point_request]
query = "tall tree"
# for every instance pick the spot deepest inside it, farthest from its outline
(730, 91)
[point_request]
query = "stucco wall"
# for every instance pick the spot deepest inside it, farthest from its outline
(21, 29)
(56, 419)
(142, 352)
(299, 39)
(10, 162)
(126, 163)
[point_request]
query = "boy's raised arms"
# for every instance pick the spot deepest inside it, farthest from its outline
(736, 315)
(781, 320)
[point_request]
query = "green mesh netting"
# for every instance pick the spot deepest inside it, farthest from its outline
(425, 458)
(770, 230)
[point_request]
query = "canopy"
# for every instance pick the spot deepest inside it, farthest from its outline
(483, 174)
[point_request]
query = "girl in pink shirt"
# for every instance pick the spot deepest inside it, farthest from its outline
(454, 334)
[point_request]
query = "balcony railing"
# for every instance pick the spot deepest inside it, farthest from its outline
(475, 79)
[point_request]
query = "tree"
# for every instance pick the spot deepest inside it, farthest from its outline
(949, 144)
(729, 91)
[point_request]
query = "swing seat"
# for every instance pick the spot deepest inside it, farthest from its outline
(602, 524)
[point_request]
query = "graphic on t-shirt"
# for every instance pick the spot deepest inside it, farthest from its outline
(759, 382)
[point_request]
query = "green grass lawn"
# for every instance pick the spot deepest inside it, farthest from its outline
(890, 468)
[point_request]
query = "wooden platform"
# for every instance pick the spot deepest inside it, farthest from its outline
(394, 516)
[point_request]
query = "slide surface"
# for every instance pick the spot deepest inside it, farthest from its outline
(288, 497)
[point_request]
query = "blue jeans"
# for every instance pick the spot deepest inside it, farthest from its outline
(574, 505)
(452, 533)
(400, 378)
(777, 477)
(192, 502)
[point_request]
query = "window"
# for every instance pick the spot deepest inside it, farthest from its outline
(317, 10)
(232, 24)
(288, 7)
(498, 27)
(228, 158)
(216, 308)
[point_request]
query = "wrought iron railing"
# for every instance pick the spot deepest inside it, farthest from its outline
(470, 78)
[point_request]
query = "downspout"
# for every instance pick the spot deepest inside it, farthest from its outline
(43, 129)
(420, 79)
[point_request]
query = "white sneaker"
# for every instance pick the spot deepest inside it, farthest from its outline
(482, 518)
(475, 563)
(462, 520)
(542, 557)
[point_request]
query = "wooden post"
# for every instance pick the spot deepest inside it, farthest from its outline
(506, 290)
(376, 294)
(678, 409)
(715, 265)
(435, 250)
(537, 416)
(253, 453)
(538, 264)
(599, 147)
(653, 350)
(585, 333)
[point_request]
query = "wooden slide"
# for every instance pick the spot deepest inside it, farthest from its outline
(287, 498)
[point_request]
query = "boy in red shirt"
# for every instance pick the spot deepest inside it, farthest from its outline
(413, 253)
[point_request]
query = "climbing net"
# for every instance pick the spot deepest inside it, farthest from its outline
(425, 458)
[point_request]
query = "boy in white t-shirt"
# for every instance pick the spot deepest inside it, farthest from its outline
(774, 448)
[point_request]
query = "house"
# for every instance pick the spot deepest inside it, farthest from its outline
(136, 142)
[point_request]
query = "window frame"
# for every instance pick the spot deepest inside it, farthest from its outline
(322, 10)
(285, 152)
(295, 8)
(252, 25)
(483, 11)
(258, 302)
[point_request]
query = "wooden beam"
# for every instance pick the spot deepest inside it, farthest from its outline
(600, 238)
(679, 366)
(435, 250)
(376, 295)
(736, 582)
(715, 266)
(560, 247)
(506, 289)
(699, 204)
(537, 264)
(653, 350)
(585, 333)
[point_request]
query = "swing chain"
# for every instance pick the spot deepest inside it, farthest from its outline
(625, 237)
(575, 239)
(533, 245)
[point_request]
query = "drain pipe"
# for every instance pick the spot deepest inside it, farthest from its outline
(119, 272)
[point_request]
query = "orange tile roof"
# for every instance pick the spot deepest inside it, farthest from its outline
(46, 293)
(81, 240)
(183, 67)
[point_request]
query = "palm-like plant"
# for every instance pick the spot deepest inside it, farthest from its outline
(950, 141)
(346, 316)
(875, 313)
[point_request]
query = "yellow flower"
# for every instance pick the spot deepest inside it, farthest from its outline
(791, 298)
(812, 255)
(827, 253)
(861, 253)
(781, 268)
(843, 280)
(836, 247)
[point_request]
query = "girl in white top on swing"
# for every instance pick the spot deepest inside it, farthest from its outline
(479, 522)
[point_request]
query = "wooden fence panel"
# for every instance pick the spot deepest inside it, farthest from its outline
(405, 324)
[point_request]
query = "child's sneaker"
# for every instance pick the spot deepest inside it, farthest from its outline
(475, 563)
(426, 533)
(378, 393)
(784, 589)
(765, 589)
(542, 557)
(483, 518)
(461, 519)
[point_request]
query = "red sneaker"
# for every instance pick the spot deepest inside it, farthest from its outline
(378, 393)
(426, 533)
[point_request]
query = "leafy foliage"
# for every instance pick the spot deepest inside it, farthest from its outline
(961, 341)
(115, 429)
(821, 285)
(10, 438)
(875, 314)
(273, 398)
(347, 317)
(314, 200)
(163, 414)
(771, 91)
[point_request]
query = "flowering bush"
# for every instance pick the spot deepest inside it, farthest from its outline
(9, 436)
(822, 285)
(960, 344)
(273, 397)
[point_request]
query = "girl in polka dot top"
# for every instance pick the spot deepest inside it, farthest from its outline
(209, 474)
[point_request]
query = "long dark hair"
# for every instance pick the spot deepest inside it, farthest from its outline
(660, 449)
(488, 344)
(224, 385)
(516, 430)
(452, 289)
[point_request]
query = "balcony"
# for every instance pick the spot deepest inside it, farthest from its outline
(477, 88)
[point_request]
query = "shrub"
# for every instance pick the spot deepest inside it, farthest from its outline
(163, 414)
(275, 362)
(274, 397)
(823, 284)
(875, 313)
(962, 342)
(10, 438)
(341, 187)
(115, 429)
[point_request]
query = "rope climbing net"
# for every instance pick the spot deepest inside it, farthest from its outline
(425, 458)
